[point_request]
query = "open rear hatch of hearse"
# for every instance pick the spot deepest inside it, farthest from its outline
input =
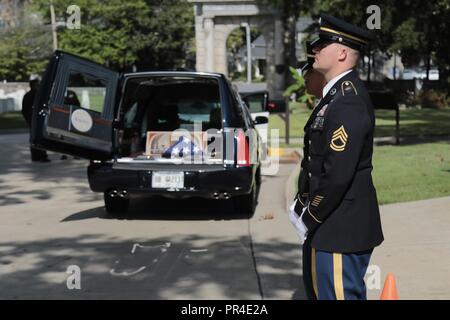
(168, 120)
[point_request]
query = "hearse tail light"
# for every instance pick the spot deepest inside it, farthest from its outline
(242, 146)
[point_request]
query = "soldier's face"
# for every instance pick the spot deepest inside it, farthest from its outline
(326, 57)
(315, 82)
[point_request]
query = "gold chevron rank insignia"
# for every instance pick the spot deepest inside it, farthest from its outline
(339, 139)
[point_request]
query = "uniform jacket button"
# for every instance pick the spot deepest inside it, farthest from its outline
(309, 174)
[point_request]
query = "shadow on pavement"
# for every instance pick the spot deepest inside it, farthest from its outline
(23, 179)
(175, 267)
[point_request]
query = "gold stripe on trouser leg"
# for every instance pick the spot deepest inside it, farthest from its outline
(337, 272)
(313, 271)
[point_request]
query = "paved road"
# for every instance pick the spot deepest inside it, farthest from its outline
(416, 248)
(166, 249)
(163, 249)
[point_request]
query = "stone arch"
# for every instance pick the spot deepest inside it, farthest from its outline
(216, 19)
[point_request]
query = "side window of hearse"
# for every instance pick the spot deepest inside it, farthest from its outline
(86, 91)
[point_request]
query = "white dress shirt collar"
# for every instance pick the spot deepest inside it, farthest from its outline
(332, 82)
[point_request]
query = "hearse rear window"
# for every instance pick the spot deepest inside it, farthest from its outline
(170, 103)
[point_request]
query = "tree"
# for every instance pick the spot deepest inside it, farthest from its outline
(168, 36)
(24, 47)
(236, 40)
(417, 30)
(149, 34)
(299, 89)
(290, 11)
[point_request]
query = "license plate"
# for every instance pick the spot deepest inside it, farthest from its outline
(168, 180)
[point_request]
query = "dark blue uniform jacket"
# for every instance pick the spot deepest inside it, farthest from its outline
(335, 181)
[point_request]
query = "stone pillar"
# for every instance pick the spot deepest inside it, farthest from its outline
(200, 50)
(274, 58)
(220, 42)
(208, 25)
(268, 32)
(280, 67)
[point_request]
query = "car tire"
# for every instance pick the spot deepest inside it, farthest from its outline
(258, 178)
(246, 204)
(114, 205)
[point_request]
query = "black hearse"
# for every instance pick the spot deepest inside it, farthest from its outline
(146, 132)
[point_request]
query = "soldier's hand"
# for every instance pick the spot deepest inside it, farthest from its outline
(297, 222)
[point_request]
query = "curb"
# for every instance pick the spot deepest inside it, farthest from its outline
(276, 152)
(285, 155)
(289, 187)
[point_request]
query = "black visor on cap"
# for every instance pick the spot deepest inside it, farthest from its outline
(345, 41)
(320, 42)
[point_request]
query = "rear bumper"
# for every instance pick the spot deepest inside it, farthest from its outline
(208, 182)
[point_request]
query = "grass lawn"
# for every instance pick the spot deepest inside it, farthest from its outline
(414, 172)
(297, 118)
(412, 122)
(12, 120)
(425, 122)
(409, 173)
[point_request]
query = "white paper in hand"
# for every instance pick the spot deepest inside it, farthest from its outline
(297, 222)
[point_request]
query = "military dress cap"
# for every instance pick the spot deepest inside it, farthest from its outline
(309, 58)
(336, 30)
(34, 77)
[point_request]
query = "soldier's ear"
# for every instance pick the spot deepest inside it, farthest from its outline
(342, 53)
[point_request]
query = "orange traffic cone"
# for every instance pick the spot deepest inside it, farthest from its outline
(390, 288)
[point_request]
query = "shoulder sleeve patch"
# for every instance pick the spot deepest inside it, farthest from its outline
(348, 87)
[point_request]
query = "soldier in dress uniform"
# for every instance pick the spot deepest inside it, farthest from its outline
(336, 209)
(314, 82)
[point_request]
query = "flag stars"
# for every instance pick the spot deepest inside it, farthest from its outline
(183, 148)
